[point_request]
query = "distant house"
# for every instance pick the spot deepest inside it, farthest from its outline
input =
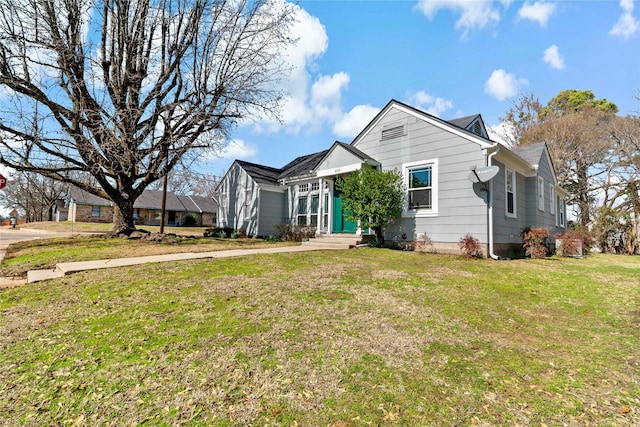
(82, 206)
(435, 158)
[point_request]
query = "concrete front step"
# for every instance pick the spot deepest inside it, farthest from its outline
(345, 241)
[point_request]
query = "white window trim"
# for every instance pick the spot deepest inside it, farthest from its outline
(511, 172)
(418, 213)
(552, 199)
(541, 193)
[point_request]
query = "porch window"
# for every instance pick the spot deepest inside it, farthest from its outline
(303, 188)
(95, 211)
(325, 213)
(302, 211)
(315, 186)
(421, 182)
(541, 193)
(315, 201)
(510, 180)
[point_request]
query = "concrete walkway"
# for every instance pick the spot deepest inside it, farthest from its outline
(73, 267)
(64, 268)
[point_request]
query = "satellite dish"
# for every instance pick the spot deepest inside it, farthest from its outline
(482, 174)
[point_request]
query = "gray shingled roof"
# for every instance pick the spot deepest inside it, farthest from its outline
(151, 199)
(302, 165)
(199, 203)
(260, 174)
(297, 167)
(530, 153)
(463, 122)
(82, 197)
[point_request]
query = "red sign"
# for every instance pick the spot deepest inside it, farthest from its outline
(3, 182)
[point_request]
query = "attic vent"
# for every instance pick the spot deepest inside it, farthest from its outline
(393, 132)
(477, 129)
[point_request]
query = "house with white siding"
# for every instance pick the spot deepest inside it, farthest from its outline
(435, 158)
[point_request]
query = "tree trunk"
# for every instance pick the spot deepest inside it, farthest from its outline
(379, 236)
(583, 195)
(123, 222)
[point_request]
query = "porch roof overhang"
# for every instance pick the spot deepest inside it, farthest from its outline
(322, 173)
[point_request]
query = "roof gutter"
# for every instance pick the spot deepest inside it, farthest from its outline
(490, 201)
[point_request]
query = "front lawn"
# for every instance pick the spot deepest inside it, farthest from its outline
(336, 338)
(42, 254)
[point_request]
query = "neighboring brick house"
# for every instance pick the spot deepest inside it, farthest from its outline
(82, 206)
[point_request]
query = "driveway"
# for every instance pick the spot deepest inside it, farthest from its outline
(12, 235)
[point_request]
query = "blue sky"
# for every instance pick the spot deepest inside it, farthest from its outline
(450, 58)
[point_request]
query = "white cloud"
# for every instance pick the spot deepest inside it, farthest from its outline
(351, 123)
(431, 104)
(313, 99)
(627, 25)
(502, 85)
(553, 58)
(473, 14)
(238, 149)
(539, 11)
(326, 96)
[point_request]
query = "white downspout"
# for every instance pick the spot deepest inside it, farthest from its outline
(491, 254)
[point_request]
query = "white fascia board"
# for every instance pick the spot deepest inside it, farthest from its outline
(444, 126)
(338, 171)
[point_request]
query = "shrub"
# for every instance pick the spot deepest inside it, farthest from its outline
(575, 241)
(295, 233)
(273, 238)
(423, 243)
(470, 246)
(190, 220)
(535, 240)
(218, 232)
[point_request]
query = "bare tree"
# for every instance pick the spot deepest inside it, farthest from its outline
(126, 89)
(520, 118)
(33, 194)
(182, 180)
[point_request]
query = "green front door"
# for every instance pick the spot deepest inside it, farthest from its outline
(340, 223)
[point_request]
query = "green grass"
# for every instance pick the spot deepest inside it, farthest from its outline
(340, 338)
(43, 254)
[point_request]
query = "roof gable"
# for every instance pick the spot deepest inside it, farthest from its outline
(340, 155)
(484, 142)
(533, 155)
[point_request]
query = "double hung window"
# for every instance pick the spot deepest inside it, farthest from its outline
(541, 193)
(421, 183)
(510, 180)
(420, 187)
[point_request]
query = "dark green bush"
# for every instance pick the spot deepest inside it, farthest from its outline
(190, 220)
